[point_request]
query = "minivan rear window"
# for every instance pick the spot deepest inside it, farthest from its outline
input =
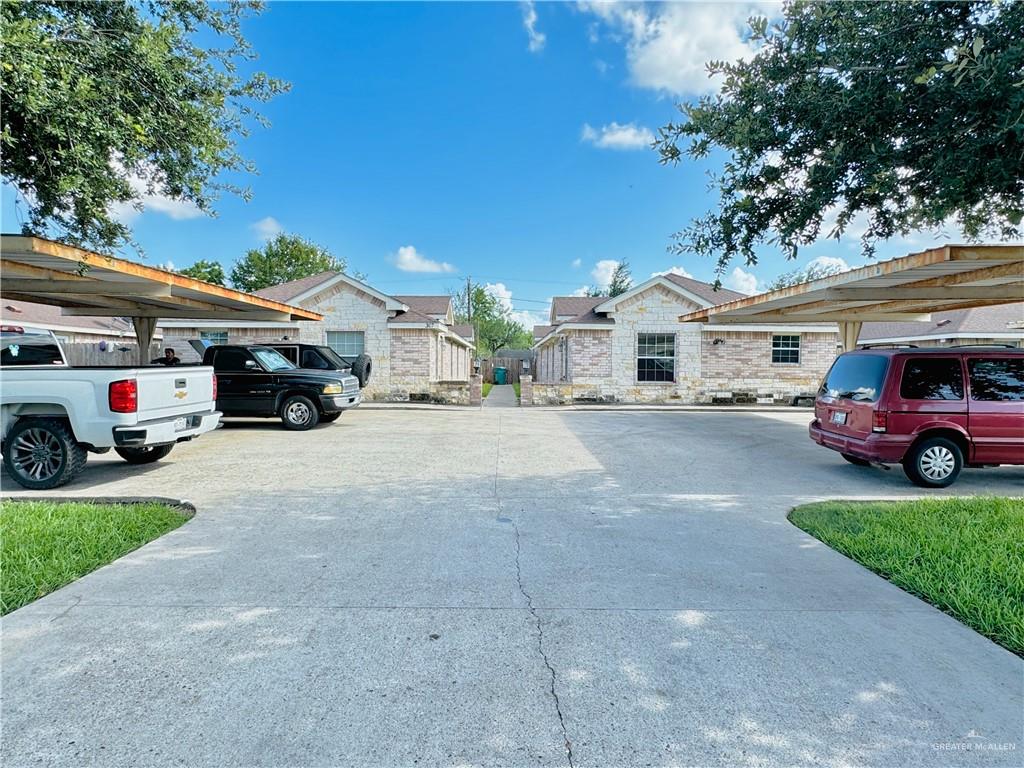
(856, 377)
(932, 378)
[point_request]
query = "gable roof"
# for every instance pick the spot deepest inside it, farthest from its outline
(428, 305)
(705, 290)
(540, 331)
(978, 322)
(570, 306)
(293, 288)
(468, 332)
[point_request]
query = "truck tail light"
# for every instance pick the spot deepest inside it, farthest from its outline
(879, 421)
(124, 396)
(214, 398)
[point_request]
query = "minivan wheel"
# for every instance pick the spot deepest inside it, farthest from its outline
(934, 462)
(147, 454)
(856, 460)
(298, 413)
(42, 453)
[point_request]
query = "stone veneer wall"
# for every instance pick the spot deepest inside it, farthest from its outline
(740, 369)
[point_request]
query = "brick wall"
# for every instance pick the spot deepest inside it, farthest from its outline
(590, 354)
(740, 367)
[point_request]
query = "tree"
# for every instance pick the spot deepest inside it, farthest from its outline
(209, 271)
(621, 281)
(491, 320)
(910, 114)
(106, 102)
(813, 271)
(284, 258)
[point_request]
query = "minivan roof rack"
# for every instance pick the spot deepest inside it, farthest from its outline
(1002, 346)
(887, 345)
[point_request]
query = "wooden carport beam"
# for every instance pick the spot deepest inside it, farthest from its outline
(838, 315)
(1012, 291)
(83, 287)
(849, 332)
(144, 329)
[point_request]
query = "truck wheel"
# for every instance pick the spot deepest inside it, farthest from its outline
(42, 453)
(327, 418)
(299, 413)
(144, 455)
(933, 463)
(856, 460)
(362, 366)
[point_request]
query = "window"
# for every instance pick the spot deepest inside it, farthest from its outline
(856, 377)
(230, 360)
(996, 378)
(785, 349)
(932, 378)
(214, 337)
(346, 343)
(656, 357)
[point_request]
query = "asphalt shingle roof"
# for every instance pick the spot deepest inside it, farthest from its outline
(705, 290)
(286, 291)
(980, 321)
(427, 305)
(570, 306)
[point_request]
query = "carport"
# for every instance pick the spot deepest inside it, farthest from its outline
(909, 288)
(83, 283)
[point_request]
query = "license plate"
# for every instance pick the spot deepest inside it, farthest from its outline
(180, 425)
(838, 417)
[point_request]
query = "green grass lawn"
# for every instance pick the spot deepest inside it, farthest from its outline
(45, 545)
(963, 555)
(487, 389)
(515, 386)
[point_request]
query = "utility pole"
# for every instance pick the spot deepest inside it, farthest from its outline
(469, 301)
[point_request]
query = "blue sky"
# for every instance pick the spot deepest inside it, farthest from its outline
(425, 143)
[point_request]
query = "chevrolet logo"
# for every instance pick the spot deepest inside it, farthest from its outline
(181, 394)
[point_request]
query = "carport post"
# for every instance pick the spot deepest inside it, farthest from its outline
(144, 328)
(849, 332)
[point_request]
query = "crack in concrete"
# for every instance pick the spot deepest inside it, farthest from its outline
(540, 648)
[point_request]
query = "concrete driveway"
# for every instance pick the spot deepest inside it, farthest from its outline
(498, 587)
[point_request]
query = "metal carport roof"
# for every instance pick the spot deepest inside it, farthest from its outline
(84, 283)
(907, 288)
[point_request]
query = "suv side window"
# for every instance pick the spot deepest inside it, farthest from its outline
(996, 378)
(229, 360)
(312, 359)
(932, 378)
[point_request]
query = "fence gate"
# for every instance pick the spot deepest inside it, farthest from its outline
(513, 365)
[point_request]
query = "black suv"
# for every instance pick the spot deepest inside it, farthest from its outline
(322, 358)
(259, 381)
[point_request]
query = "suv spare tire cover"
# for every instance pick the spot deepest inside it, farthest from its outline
(361, 368)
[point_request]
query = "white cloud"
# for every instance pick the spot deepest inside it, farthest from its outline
(616, 136)
(168, 265)
(267, 227)
(577, 263)
(583, 290)
(831, 264)
(526, 318)
(408, 259)
(668, 46)
(742, 281)
(672, 271)
(537, 38)
(146, 199)
(602, 272)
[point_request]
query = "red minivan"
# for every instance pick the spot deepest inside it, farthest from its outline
(932, 410)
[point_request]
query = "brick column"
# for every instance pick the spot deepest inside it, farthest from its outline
(476, 387)
(526, 390)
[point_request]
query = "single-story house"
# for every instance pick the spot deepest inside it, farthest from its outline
(418, 350)
(631, 348)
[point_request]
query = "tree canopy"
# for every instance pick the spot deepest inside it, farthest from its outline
(909, 114)
(209, 271)
(281, 259)
(492, 321)
(621, 281)
(106, 102)
(811, 272)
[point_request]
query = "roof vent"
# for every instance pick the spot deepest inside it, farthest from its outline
(942, 323)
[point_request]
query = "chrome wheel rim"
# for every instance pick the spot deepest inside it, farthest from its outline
(937, 462)
(36, 454)
(298, 413)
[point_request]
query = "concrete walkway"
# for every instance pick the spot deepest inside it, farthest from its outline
(502, 588)
(501, 396)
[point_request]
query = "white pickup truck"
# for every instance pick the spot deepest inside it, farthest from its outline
(52, 414)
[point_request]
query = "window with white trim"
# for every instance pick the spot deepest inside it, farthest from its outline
(214, 337)
(346, 343)
(786, 348)
(656, 357)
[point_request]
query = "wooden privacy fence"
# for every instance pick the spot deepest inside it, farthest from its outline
(118, 352)
(513, 365)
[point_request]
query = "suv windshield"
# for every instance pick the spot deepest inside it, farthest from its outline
(856, 377)
(272, 360)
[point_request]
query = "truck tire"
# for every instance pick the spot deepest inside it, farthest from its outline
(362, 366)
(935, 462)
(144, 455)
(42, 453)
(327, 418)
(298, 413)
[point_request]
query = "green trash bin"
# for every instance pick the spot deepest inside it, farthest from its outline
(500, 376)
